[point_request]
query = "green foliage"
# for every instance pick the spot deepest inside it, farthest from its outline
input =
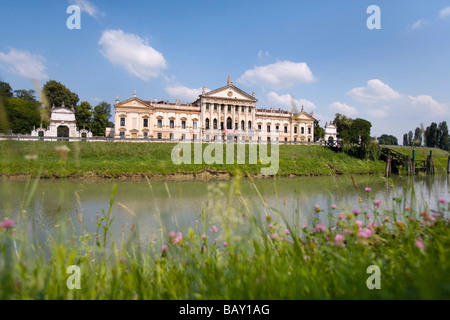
(83, 115)
(99, 121)
(57, 94)
(23, 115)
(443, 142)
(417, 137)
(28, 95)
(319, 132)
(5, 90)
(387, 139)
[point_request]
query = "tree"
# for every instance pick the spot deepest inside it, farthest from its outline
(5, 90)
(319, 132)
(405, 139)
(387, 139)
(99, 122)
(107, 109)
(431, 135)
(83, 115)
(29, 95)
(23, 115)
(443, 136)
(410, 138)
(343, 124)
(417, 137)
(57, 94)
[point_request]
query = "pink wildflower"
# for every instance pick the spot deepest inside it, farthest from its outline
(320, 228)
(442, 200)
(8, 223)
(347, 231)
(407, 209)
(204, 236)
(213, 229)
(274, 236)
(368, 189)
(341, 216)
(305, 226)
(368, 216)
(419, 244)
(287, 232)
(164, 248)
(333, 206)
(365, 233)
(377, 202)
(225, 244)
(355, 211)
(175, 238)
(270, 226)
(359, 223)
(339, 239)
(317, 208)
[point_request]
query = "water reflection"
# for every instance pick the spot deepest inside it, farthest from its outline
(178, 205)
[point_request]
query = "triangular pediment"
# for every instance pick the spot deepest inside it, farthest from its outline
(303, 116)
(133, 103)
(229, 92)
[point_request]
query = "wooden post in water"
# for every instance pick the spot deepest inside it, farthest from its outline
(414, 162)
(430, 163)
(448, 165)
(408, 166)
(387, 172)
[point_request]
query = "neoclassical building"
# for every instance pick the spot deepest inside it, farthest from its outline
(227, 113)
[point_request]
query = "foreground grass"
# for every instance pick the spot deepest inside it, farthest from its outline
(234, 254)
(103, 159)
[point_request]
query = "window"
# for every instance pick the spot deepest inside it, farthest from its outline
(259, 128)
(215, 106)
(229, 124)
(145, 124)
(215, 123)
(194, 137)
(159, 123)
(194, 124)
(122, 134)
(268, 128)
(171, 136)
(309, 130)
(295, 139)
(183, 124)
(285, 139)
(207, 137)
(122, 122)
(303, 130)
(249, 109)
(243, 109)
(229, 107)
(207, 106)
(145, 135)
(249, 125)
(242, 125)
(236, 108)
(309, 140)
(172, 124)
(221, 125)
(207, 123)
(285, 129)
(277, 128)
(235, 126)
(183, 136)
(221, 107)
(268, 139)
(159, 135)
(295, 129)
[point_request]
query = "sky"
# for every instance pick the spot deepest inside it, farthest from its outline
(324, 54)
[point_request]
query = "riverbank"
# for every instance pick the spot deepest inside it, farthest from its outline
(22, 159)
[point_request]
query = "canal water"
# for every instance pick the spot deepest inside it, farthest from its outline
(178, 205)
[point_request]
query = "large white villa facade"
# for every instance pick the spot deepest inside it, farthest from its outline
(227, 113)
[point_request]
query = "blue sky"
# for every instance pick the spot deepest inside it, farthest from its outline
(319, 54)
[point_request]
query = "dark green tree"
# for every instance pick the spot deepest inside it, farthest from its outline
(343, 125)
(319, 132)
(431, 135)
(405, 139)
(29, 95)
(410, 138)
(5, 90)
(107, 108)
(83, 115)
(23, 115)
(57, 94)
(417, 137)
(99, 122)
(388, 139)
(360, 131)
(443, 136)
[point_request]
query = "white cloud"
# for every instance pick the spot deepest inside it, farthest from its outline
(343, 108)
(282, 74)
(427, 104)
(375, 91)
(24, 64)
(185, 93)
(88, 7)
(132, 53)
(444, 13)
(288, 102)
(418, 24)
(380, 113)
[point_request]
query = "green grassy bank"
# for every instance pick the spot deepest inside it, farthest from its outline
(112, 160)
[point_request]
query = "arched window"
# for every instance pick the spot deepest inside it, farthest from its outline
(249, 125)
(229, 123)
(242, 125)
(215, 123)
(207, 123)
